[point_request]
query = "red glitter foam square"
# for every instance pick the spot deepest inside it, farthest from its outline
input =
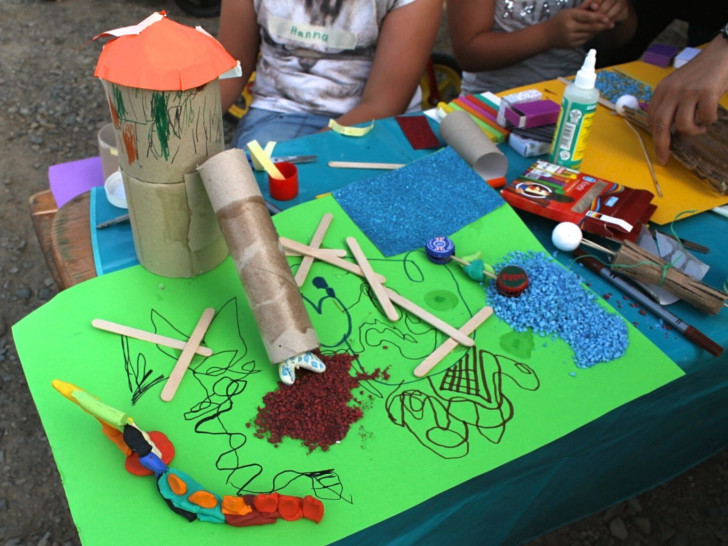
(418, 132)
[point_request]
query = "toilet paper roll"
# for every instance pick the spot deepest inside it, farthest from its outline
(272, 293)
(107, 150)
(462, 133)
(175, 230)
(164, 135)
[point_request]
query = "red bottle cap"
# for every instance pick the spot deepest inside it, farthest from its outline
(512, 281)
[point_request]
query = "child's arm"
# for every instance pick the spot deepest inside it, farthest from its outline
(240, 36)
(478, 48)
(405, 43)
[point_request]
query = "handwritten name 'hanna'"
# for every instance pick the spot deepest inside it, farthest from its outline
(309, 35)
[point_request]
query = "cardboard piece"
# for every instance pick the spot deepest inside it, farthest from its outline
(174, 227)
(272, 292)
(164, 135)
(460, 131)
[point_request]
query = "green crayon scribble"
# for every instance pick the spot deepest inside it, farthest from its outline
(160, 117)
(118, 102)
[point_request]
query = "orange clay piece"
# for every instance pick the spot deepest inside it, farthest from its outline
(290, 508)
(313, 509)
(266, 503)
(116, 437)
(177, 486)
(235, 506)
(203, 498)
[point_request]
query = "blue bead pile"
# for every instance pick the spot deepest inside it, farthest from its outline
(613, 85)
(556, 304)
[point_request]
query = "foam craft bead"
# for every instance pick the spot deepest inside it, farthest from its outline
(626, 101)
(566, 236)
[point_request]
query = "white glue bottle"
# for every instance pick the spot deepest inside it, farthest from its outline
(578, 106)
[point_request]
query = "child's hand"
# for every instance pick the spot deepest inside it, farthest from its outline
(576, 26)
(615, 11)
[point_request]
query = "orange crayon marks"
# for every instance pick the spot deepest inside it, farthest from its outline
(128, 135)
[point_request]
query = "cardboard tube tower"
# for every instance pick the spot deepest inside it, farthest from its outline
(161, 84)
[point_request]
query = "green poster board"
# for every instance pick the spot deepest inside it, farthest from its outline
(417, 438)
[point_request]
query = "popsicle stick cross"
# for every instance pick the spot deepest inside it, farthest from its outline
(189, 348)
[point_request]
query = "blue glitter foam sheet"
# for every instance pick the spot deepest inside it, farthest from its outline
(432, 196)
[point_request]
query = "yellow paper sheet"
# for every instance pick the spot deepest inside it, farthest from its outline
(614, 153)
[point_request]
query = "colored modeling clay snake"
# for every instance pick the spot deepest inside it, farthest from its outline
(150, 453)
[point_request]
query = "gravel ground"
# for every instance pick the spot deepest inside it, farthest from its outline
(50, 110)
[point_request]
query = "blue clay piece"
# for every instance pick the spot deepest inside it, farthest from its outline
(555, 304)
(399, 210)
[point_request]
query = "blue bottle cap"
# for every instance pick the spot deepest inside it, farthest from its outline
(439, 249)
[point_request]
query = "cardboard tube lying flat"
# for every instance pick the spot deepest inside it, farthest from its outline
(465, 137)
(272, 293)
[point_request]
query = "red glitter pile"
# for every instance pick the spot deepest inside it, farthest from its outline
(317, 409)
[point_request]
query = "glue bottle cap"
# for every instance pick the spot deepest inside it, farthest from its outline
(587, 76)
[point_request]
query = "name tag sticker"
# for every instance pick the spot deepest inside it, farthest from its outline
(304, 34)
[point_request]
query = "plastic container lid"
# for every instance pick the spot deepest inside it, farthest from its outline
(115, 193)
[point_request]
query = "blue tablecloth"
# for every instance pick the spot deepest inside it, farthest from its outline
(631, 449)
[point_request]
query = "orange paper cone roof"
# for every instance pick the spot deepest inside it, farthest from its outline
(162, 56)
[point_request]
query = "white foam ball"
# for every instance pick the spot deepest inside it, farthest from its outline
(566, 236)
(626, 101)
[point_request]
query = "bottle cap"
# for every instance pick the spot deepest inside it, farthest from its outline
(512, 281)
(439, 249)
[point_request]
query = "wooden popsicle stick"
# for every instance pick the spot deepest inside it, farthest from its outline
(264, 159)
(377, 287)
(443, 350)
(333, 252)
(364, 165)
(183, 362)
(320, 254)
(316, 241)
(401, 301)
(143, 335)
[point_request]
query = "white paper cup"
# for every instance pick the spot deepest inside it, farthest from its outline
(107, 150)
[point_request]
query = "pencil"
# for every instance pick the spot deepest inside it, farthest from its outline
(690, 332)
(113, 221)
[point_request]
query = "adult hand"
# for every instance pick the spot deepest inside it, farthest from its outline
(576, 26)
(688, 98)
